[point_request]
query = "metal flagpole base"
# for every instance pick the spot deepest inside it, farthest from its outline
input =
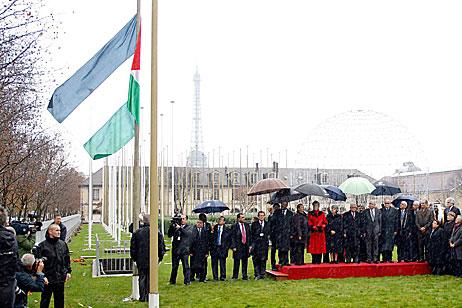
(153, 300)
(135, 288)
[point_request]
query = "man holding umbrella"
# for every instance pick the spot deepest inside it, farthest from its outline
(283, 220)
(260, 230)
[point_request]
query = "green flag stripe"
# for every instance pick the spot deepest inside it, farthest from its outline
(116, 133)
(134, 98)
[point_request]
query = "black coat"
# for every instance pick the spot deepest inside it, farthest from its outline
(199, 247)
(454, 209)
(242, 250)
(260, 240)
(181, 239)
(140, 246)
(283, 225)
(9, 259)
(58, 263)
(28, 282)
(220, 251)
(273, 228)
(352, 228)
(406, 226)
(390, 223)
(437, 248)
(300, 229)
(334, 242)
(63, 233)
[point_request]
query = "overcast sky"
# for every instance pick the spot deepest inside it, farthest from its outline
(273, 71)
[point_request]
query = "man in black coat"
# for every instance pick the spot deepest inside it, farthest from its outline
(390, 223)
(450, 207)
(8, 262)
(219, 246)
(437, 249)
(273, 233)
(405, 228)
(181, 234)
(58, 221)
(372, 224)
(199, 251)
(299, 234)
(57, 266)
(260, 230)
(413, 247)
(241, 239)
(352, 234)
(139, 253)
(208, 229)
(30, 279)
(283, 220)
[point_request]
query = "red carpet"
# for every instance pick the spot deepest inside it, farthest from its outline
(350, 270)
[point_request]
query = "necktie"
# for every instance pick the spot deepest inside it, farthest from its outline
(219, 236)
(244, 239)
(353, 215)
(285, 212)
(372, 215)
(200, 232)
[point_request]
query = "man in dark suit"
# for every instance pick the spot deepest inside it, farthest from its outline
(352, 234)
(241, 239)
(260, 230)
(208, 230)
(423, 221)
(389, 230)
(219, 246)
(372, 224)
(404, 236)
(199, 251)
(299, 234)
(283, 220)
(181, 234)
(450, 207)
(273, 234)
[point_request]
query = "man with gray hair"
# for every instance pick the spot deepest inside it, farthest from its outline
(450, 207)
(8, 262)
(30, 279)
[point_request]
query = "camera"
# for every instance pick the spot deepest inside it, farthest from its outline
(36, 263)
(176, 220)
(22, 228)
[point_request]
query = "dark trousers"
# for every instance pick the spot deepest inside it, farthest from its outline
(273, 255)
(292, 253)
(404, 253)
(413, 248)
(186, 269)
(316, 258)
(7, 294)
(299, 254)
(372, 247)
(352, 247)
(387, 255)
(215, 261)
(259, 266)
(57, 289)
(325, 257)
(143, 283)
(283, 257)
(422, 245)
(244, 268)
(199, 272)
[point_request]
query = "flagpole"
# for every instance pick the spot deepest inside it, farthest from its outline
(154, 191)
(173, 170)
(90, 203)
(136, 176)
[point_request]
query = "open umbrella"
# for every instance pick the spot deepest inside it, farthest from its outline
(285, 195)
(334, 193)
(408, 199)
(357, 186)
(310, 189)
(384, 188)
(267, 186)
(211, 206)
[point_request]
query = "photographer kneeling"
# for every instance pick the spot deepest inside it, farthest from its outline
(29, 279)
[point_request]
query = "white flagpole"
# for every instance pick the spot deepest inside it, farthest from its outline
(90, 202)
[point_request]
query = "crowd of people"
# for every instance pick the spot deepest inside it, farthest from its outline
(361, 234)
(26, 267)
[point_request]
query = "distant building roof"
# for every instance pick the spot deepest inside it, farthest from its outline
(97, 179)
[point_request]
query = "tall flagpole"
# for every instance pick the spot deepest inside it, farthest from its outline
(136, 176)
(154, 191)
(162, 172)
(173, 169)
(90, 203)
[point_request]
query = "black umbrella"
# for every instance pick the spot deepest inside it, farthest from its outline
(335, 193)
(384, 188)
(285, 195)
(211, 206)
(408, 199)
(311, 190)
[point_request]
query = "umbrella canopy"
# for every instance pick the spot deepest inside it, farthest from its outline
(357, 186)
(408, 199)
(334, 193)
(384, 188)
(286, 195)
(266, 186)
(211, 206)
(311, 190)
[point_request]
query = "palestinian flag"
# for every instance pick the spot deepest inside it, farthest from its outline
(120, 128)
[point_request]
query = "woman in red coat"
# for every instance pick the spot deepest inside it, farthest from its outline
(317, 223)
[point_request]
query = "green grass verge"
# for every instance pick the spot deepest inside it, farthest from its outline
(405, 291)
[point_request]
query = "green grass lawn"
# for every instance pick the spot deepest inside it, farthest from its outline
(410, 291)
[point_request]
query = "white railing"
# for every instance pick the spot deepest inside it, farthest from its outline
(72, 223)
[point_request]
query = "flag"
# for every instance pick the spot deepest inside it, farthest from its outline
(120, 128)
(68, 96)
